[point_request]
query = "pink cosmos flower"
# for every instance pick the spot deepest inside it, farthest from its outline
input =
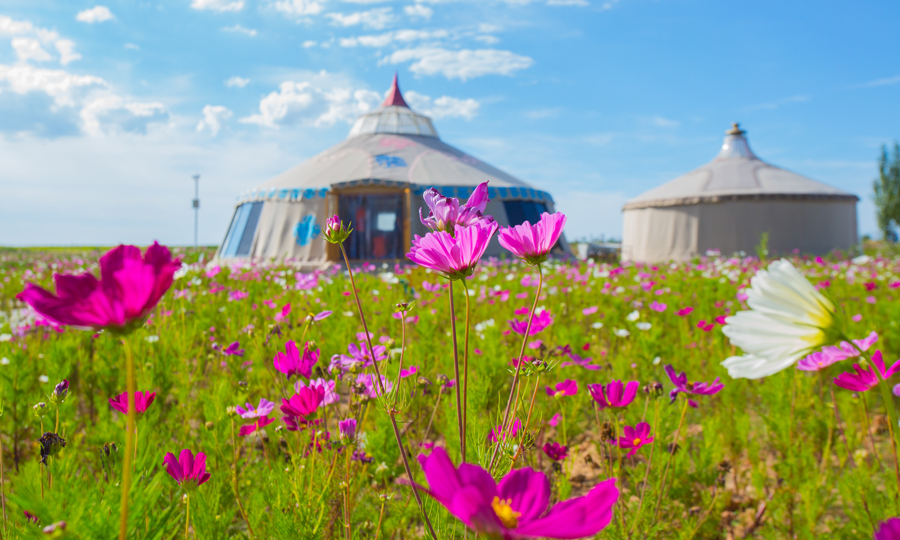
(291, 363)
(683, 312)
(372, 388)
(691, 388)
(188, 470)
(322, 315)
(359, 356)
(658, 306)
(532, 243)
(234, 349)
(120, 301)
(614, 395)
(866, 379)
(589, 310)
(446, 214)
(542, 319)
(142, 400)
(260, 423)
(888, 529)
(555, 420)
(567, 387)
(832, 354)
(347, 428)
(453, 256)
(556, 451)
(412, 370)
(517, 507)
(285, 313)
(522, 311)
(635, 437)
(327, 388)
(514, 430)
(817, 361)
(264, 408)
(302, 404)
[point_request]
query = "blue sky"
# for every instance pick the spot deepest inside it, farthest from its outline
(106, 110)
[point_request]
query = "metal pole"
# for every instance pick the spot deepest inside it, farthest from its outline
(196, 205)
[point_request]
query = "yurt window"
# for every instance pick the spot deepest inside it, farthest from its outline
(518, 212)
(243, 226)
(377, 221)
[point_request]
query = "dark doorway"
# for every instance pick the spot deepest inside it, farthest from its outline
(377, 221)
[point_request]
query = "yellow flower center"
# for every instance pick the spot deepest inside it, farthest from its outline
(559, 393)
(508, 517)
(636, 441)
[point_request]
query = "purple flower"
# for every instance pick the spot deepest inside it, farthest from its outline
(532, 243)
(635, 437)
(445, 213)
(542, 320)
(516, 425)
(322, 315)
(61, 390)
(556, 451)
(373, 390)
(614, 395)
(833, 354)
(866, 379)
(517, 507)
(264, 408)
(888, 530)
(233, 350)
(347, 428)
(453, 256)
(302, 404)
(359, 357)
(321, 385)
(691, 388)
(291, 363)
(189, 470)
(817, 361)
(260, 423)
(567, 387)
(335, 231)
(142, 400)
(404, 373)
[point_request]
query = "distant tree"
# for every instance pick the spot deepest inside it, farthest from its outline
(887, 192)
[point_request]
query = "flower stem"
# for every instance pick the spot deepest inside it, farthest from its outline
(537, 381)
(2, 495)
(380, 519)
(465, 408)
(347, 491)
(129, 440)
(512, 389)
(390, 411)
(187, 515)
(237, 496)
(459, 382)
(662, 484)
(637, 516)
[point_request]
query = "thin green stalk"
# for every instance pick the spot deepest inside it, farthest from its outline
(380, 519)
(187, 515)
(2, 494)
(637, 516)
(237, 495)
(459, 382)
(512, 389)
(662, 484)
(383, 392)
(465, 408)
(129, 440)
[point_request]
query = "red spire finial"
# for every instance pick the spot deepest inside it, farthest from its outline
(394, 97)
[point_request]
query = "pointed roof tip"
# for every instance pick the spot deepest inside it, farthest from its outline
(394, 97)
(735, 129)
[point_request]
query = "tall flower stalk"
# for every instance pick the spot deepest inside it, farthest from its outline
(459, 381)
(336, 233)
(130, 423)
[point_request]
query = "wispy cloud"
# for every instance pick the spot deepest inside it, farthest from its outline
(240, 30)
(462, 64)
(96, 14)
(878, 82)
(772, 105)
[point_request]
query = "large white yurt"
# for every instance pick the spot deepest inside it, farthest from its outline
(374, 180)
(729, 203)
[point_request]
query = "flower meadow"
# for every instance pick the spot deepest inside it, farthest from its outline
(151, 394)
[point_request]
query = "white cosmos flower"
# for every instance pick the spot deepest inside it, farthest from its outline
(787, 318)
(643, 326)
(621, 332)
(634, 315)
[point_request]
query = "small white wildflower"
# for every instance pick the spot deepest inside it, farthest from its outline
(656, 361)
(4, 361)
(621, 332)
(634, 315)
(44, 379)
(643, 326)
(597, 325)
(349, 314)
(152, 339)
(381, 467)
(5, 337)
(620, 289)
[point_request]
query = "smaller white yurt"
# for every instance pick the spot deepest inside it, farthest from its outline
(373, 180)
(728, 204)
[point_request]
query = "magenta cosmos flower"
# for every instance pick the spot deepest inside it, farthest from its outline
(567, 387)
(347, 428)
(445, 213)
(292, 363)
(453, 256)
(556, 451)
(142, 400)
(128, 289)
(327, 388)
(302, 404)
(614, 395)
(888, 530)
(542, 320)
(635, 437)
(360, 356)
(188, 470)
(517, 507)
(260, 414)
(498, 431)
(820, 360)
(532, 243)
(866, 379)
(691, 388)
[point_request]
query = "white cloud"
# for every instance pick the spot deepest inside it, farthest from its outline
(579, 3)
(374, 18)
(237, 82)
(240, 30)
(66, 50)
(96, 14)
(418, 11)
(213, 118)
(321, 101)
(540, 114)
(132, 46)
(65, 88)
(383, 40)
(309, 43)
(218, 5)
(298, 7)
(113, 113)
(659, 121)
(443, 107)
(488, 39)
(888, 81)
(30, 49)
(462, 64)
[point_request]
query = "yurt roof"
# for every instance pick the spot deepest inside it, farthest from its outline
(736, 174)
(393, 146)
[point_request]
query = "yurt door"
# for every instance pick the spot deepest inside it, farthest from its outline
(377, 220)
